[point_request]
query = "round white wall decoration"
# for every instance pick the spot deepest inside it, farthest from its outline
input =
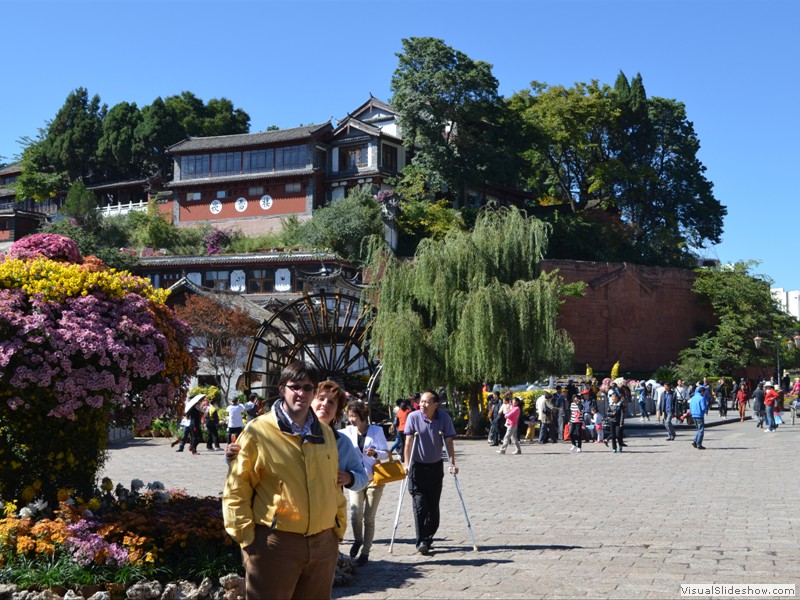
(266, 202)
(241, 204)
(215, 207)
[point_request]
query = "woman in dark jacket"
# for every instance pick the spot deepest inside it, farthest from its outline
(616, 419)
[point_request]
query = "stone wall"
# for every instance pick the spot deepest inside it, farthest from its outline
(641, 316)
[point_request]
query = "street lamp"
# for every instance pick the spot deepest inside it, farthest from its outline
(794, 342)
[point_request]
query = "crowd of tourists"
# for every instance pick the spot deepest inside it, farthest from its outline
(592, 412)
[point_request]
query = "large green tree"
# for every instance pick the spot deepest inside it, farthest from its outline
(451, 115)
(215, 117)
(744, 306)
(160, 128)
(471, 307)
(72, 136)
(593, 147)
(120, 149)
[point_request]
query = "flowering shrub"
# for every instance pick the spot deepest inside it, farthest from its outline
(48, 245)
(216, 240)
(80, 346)
(141, 529)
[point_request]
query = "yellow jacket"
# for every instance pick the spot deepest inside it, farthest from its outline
(284, 482)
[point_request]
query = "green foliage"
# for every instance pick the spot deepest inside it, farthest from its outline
(120, 149)
(470, 307)
(39, 179)
(151, 229)
(666, 374)
(343, 225)
(216, 117)
(102, 242)
(73, 135)
(81, 205)
(420, 214)
(635, 158)
(160, 128)
(47, 452)
(450, 112)
(745, 308)
(260, 243)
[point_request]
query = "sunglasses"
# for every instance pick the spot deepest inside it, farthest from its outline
(296, 388)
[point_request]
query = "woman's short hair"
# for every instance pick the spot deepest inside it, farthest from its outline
(332, 390)
(359, 407)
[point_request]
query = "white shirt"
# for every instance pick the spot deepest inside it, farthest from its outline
(235, 413)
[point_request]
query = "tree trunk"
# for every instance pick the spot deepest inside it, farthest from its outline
(475, 424)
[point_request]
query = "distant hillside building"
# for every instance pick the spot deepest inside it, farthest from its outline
(789, 300)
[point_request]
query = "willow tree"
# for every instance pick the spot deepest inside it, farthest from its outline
(471, 307)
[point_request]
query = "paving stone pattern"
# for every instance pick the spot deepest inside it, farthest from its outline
(552, 524)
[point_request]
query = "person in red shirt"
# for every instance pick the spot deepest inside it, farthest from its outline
(770, 403)
(404, 409)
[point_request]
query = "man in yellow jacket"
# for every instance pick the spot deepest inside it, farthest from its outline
(281, 501)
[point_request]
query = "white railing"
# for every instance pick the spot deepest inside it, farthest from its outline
(120, 208)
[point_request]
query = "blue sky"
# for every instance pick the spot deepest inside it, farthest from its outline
(734, 65)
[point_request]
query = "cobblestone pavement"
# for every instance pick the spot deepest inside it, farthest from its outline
(552, 524)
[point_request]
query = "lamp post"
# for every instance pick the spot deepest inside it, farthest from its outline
(795, 341)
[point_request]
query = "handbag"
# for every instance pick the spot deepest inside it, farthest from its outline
(387, 472)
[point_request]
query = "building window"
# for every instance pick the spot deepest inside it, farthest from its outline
(227, 163)
(353, 157)
(293, 187)
(258, 161)
(291, 157)
(261, 281)
(216, 280)
(193, 195)
(256, 191)
(221, 195)
(389, 157)
(194, 166)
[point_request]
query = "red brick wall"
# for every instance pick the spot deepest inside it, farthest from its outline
(641, 316)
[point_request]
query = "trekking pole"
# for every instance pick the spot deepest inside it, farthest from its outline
(403, 491)
(460, 495)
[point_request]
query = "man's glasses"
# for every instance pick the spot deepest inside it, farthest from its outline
(296, 387)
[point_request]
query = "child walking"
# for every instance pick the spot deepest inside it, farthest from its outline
(597, 422)
(575, 423)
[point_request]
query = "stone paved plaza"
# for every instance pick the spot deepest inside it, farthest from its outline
(551, 524)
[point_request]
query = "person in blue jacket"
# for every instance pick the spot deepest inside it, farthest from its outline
(698, 405)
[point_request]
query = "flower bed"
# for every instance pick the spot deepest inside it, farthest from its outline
(116, 539)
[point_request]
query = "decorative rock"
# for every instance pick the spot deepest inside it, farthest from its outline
(233, 585)
(204, 589)
(171, 592)
(144, 590)
(102, 595)
(72, 595)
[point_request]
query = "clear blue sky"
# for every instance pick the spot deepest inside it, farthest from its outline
(734, 65)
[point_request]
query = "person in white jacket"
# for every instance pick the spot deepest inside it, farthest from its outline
(370, 441)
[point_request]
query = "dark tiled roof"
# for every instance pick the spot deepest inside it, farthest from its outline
(237, 178)
(118, 184)
(242, 140)
(12, 168)
(288, 257)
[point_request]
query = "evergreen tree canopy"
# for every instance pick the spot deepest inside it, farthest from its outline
(450, 113)
(635, 158)
(471, 307)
